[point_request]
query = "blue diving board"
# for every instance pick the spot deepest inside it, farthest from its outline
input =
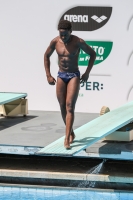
(6, 97)
(91, 132)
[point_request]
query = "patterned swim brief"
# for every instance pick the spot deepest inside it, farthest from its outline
(67, 76)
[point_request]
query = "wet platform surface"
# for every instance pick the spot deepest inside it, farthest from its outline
(26, 135)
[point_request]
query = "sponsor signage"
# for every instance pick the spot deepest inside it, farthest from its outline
(95, 86)
(102, 49)
(85, 18)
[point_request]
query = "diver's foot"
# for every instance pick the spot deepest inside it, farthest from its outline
(67, 144)
(72, 137)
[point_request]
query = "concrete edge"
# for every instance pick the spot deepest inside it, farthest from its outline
(63, 188)
(123, 178)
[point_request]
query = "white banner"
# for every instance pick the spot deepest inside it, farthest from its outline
(26, 29)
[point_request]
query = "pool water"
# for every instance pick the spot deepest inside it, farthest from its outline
(23, 193)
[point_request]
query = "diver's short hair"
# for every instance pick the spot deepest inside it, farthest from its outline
(64, 24)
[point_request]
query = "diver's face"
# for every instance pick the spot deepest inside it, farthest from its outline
(64, 34)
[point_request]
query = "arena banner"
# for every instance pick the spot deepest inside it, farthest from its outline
(85, 18)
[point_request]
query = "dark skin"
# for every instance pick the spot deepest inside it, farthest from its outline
(68, 47)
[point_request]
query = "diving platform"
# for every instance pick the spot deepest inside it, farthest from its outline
(91, 132)
(38, 129)
(6, 97)
(12, 104)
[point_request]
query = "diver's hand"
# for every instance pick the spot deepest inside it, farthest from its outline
(84, 77)
(51, 80)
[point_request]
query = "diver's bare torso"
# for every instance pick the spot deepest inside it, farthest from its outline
(67, 54)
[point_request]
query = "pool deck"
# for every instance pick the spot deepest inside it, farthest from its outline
(21, 137)
(27, 135)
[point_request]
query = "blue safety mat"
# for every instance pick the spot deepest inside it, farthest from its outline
(91, 132)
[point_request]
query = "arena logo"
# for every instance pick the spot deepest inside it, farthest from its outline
(101, 48)
(85, 18)
(76, 18)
